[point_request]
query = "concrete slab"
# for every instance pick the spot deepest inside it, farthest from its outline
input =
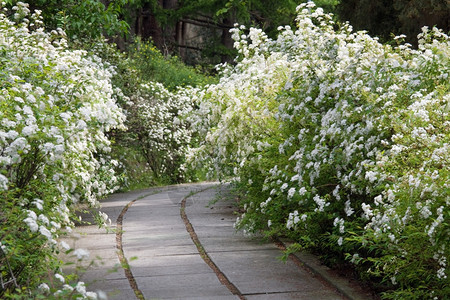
(138, 229)
(233, 243)
(152, 212)
(115, 289)
(181, 286)
(306, 295)
(96, 274)
(170, 265)
(216, 297)
(144, 253)
(260, 271)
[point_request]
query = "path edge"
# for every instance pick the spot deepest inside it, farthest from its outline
(346, 287)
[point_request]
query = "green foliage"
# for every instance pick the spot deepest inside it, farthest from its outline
(81, 19)
(267, 15)
(133, 167)
(170, 71)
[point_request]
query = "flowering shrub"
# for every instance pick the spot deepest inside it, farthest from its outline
(159, 102)
(56, 106)
(157, 121)
(156, 102)
(340, 143)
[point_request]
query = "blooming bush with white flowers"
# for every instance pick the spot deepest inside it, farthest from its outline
(341, 143)
(56, 106)
(157, 101)
(157, 123)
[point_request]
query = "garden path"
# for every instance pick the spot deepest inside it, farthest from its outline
(178, 242)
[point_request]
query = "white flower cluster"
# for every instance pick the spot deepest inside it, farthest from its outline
(165, 133)
(243, 104)
(56, 106)
(335, 123)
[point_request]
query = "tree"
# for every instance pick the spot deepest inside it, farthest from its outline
(200, 28)
(414, 14)
(81, 19)
(383, 18)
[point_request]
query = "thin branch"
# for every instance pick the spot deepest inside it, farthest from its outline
(189, 47)
(204, 23)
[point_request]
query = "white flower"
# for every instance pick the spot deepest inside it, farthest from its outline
(12, 134)
(29, 130)
(64, 245)
(91, 295)
(43, 219)
(302, 191)
(401, 36)
(355, 258)
(81, 125)
(81, 288)
(367, 211)
(65, 116)
(67, 287)
(392, 237)
(441, 273)
(378, 200)
(31, 221)
(3, 183)
(102, 295)
(38, 203)
(44, 287)
(81, 253)
(348, 209)
(425, 212)
(3, 247)
(321, 203)
(336, 193)
(371, 176)
(60, 277)
(291, 193)
(45, 232)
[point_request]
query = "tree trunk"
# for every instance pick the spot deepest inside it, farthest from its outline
(227, 41)
(181, 39)
(147, 26)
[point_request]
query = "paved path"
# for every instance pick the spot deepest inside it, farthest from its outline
(162, 260)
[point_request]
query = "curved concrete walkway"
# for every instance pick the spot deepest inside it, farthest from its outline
(157, 254)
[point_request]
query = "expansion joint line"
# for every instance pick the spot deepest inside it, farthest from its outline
(190, 229)
(122, 258)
